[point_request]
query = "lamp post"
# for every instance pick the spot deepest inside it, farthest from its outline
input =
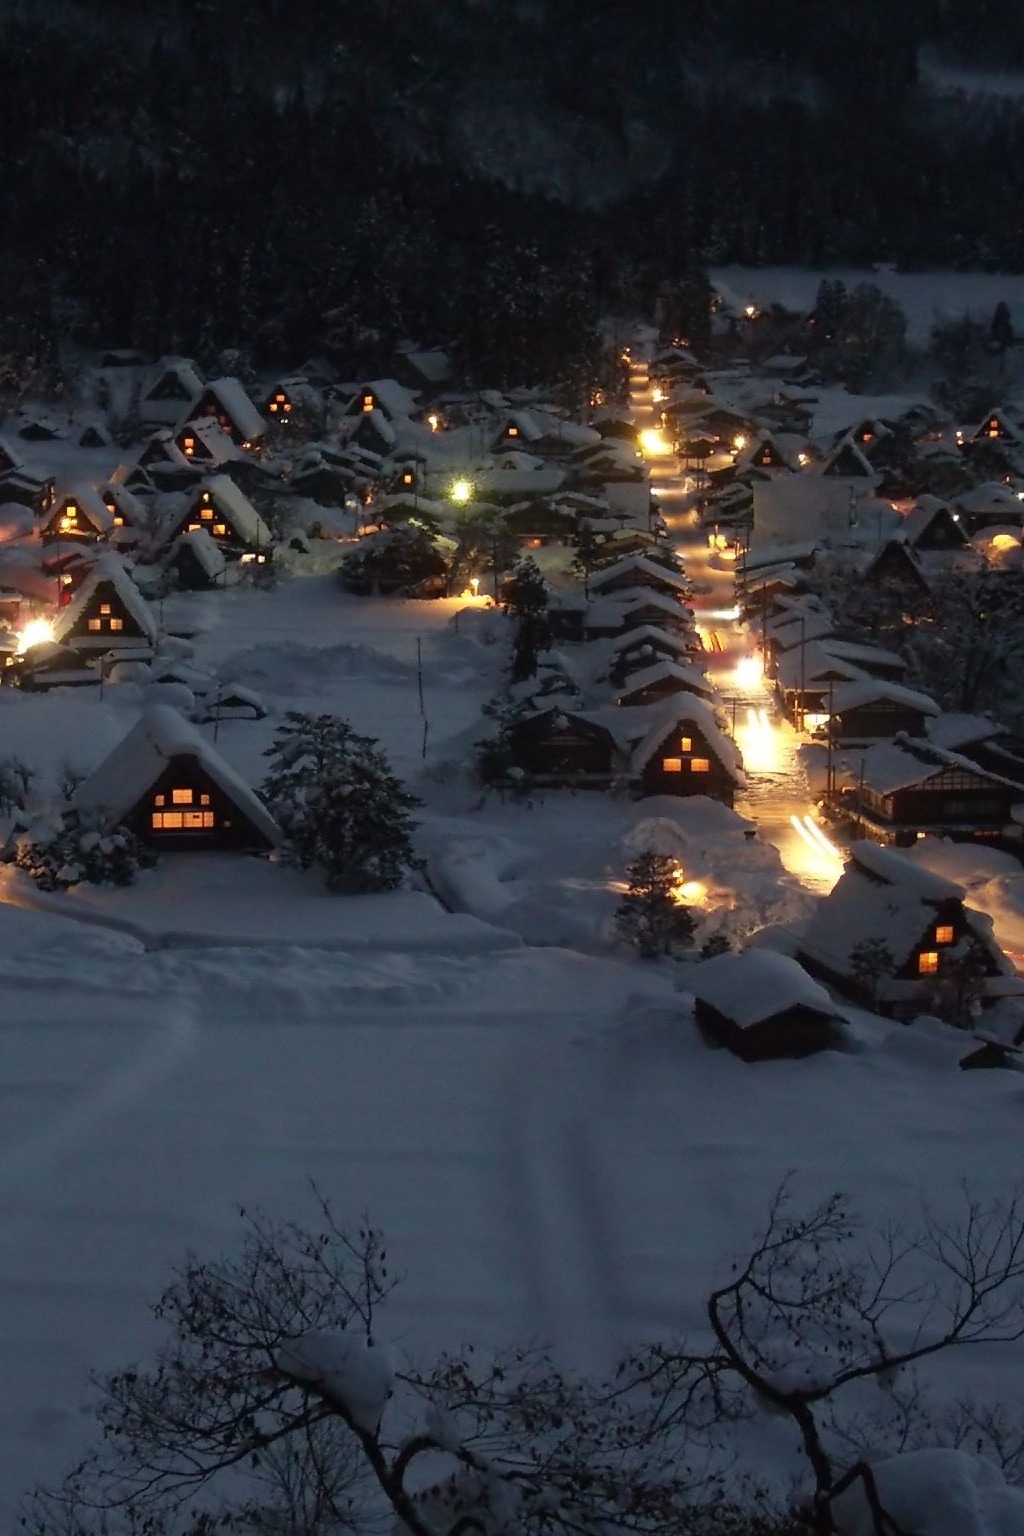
(803, 669)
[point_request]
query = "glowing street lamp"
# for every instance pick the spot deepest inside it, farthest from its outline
(36, 632)
(461, 491)
(654, 443)
(474, 585)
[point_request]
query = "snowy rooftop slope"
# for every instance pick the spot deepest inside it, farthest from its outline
(888, 766)
(637, 565)
(954, 731)
(681, 710)
(854, 695)
(751, 987)
(108, 571)
(244, 518)
(894, 869)
(231, 396)
(206, 551)
(159, 736)
(91, 503)
(667, 671)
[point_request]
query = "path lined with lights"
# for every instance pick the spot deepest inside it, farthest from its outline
(776, 796)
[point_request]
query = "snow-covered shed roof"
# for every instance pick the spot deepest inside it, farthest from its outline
(811, 667)
(638, 565)
(848, 452)
(159, 736)
(108, 571)
(863, 655)
(648, 634)
(993, 496)
(918, 521)
(690, 679)
(393, 398)
(754, 986)
(954, 731)
(203, 549)
(855, 695)
(231, 396)
(215, 440)
(780, 554)
(179, 372)
(681, 710)
(889, 766)
(790, 632)
(432, 365)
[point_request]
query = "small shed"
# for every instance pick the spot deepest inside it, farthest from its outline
(762, 1006)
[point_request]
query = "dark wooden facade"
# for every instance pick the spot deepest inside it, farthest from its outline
(686, 764)
(557, 749)
(955, 801)
(795, 1031)
(184, 810)
(105, 617)
(876, 720)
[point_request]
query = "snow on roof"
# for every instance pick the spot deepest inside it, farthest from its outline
(215, 440)
(633, 565)
(686, 709)
(882, 896)
(993, 496)
(955, 731)
(814, 667)
(13, 453)
(231, 397)
(433, 365)
(203, 549)
(847, 448)
(888, 766)
(183, 370)
(918, 521)
(88, 500)
(779, 554)
(648, 634)
(855, 695)
(237, 508)
(159, 736)
(859, 651)
(791, 632)
(756, 985)
(108, 571)
(688, 678)
(127, 504)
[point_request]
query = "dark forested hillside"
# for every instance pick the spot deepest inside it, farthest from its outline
(488, 173)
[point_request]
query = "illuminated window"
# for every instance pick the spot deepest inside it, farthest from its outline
(367, 402)
(700, 765)
(204, 799)
(407, 479)
(95, 624)
(206, 513)
(927, 963)
(181, 797)
(513, 431)
(189, 447)
(686, 744)
(287, 406)
(176, 821)
(118, 521)
(194, 527)
(672, 765)
(116, 624)
(159, 799)
(221, 530)
(944, 933)
(273, 407)
(104, 608)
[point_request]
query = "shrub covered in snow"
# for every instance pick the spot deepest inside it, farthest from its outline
(61, 850)
(333, 794)
(649, 916)
(402, 560)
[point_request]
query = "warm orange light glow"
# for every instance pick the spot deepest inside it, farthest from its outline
(944, 934)
(749, 672)
(36, 632)
(928, 963)
(654, 443)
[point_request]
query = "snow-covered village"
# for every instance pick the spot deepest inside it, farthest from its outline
(512, 859)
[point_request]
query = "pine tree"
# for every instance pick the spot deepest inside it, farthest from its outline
(333, 794)
(1001, 332)
(526, 591)
(649, 917)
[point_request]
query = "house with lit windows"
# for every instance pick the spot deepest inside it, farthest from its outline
(195, 562)
(227, 402)
(662, 679)
(686, 752)
(997, 428)
(80, 515)
(170, 786)
(107, 613)
(920, 932)
(28, 487)
(909, 787)
(205, 443)
(385, 396)
(227, 515)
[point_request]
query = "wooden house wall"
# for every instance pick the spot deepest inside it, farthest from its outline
(717, 783)
(954, 797)
(561, 755)
(876, 721)
(230, 828)
(106, 634)
(795, 1031)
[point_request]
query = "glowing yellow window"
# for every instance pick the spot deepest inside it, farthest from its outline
(672, 765)
(181, 797)
(189, 447)
(164, 821)
(206, 513)
(71, 515)
(159, 799)
(204, 799)
(367, 402)
(700, 765)
(95, 624)
(104, 608)
(513, 431)
(195, 820)
(118, 521)
(194, 527)
(407, 479)
(686, 744)
(221, 530)
(287, 406)
(944, 933)
(273, 406)
(927, 963)
(116, 624)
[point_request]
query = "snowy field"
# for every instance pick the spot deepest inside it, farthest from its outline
(551, 1150)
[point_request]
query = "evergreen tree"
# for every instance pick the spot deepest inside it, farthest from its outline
(333, 794)
(1001, 332)
(649, 917)
(532, 636)
(526, 590)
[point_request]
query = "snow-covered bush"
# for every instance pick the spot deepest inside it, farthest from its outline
(61, 850)
(333, 794)
(15, 781)
(649, 916)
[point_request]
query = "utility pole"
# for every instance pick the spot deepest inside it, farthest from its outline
(803, 669)
(830, 770)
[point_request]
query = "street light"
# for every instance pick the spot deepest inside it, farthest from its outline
(461, 491)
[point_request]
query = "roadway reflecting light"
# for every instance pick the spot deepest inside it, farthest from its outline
(749, 672)
(654, 443)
